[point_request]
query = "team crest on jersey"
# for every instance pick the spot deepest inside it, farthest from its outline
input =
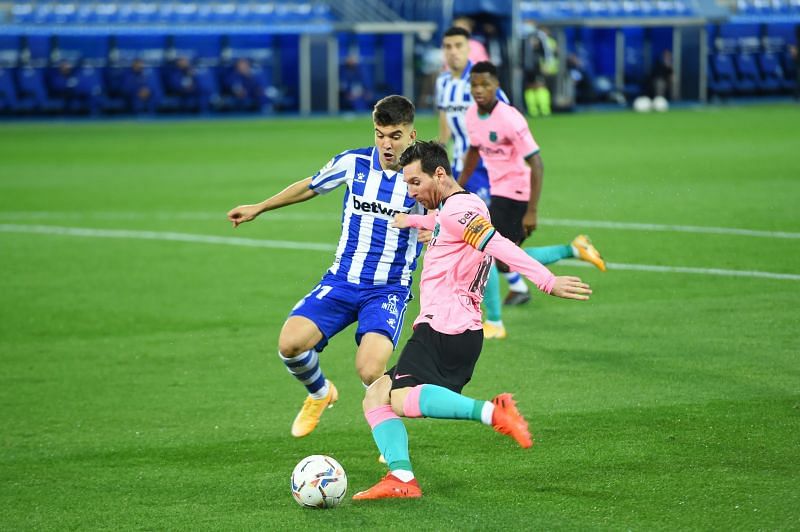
(390, 305)
(493, 136)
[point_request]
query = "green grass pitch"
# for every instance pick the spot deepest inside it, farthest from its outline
(140, 386)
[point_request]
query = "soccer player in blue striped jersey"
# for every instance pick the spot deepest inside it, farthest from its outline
(369, 281)
(452, 99)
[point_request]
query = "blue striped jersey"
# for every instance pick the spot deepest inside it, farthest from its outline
(370, 251)
(453, 97)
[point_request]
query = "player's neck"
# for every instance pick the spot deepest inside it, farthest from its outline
(487, 110)
(448, 188)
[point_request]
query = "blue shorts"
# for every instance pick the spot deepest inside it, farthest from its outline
(334, 304)
(478, 183)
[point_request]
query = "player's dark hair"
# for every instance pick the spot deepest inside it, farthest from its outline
(393, 110)
(430, 154)
(484, 67)
(452, 31)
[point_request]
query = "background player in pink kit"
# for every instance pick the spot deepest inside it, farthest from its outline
(439, 358)
(500, 136)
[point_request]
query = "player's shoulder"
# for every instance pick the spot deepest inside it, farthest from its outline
(508, 109)
(444, 76)
(463, 202)
(349, 155)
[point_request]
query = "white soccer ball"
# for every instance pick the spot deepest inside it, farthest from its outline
(642, 104)
(660, 104)
(318, 481)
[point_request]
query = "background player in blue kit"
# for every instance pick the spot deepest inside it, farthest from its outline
(370, 279)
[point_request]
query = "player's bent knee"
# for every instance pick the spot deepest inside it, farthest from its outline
(398, 398)
(291, 347)
(377, 394)
(298, 335)
(369, 373)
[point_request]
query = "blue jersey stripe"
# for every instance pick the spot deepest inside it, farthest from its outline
(361, 175)
(387, 187)
(346, 260)
(373, 258)
(338, 175)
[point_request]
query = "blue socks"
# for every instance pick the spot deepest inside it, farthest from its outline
(305, 368)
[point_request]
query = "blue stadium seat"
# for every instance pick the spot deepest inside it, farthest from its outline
(771, 73)
(749, 80)
(22, 13)
(789, 71)
(722, 78)
(10, 100)
(30, 82)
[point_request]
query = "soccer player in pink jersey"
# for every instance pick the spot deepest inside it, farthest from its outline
(439, 358)
(499, 134)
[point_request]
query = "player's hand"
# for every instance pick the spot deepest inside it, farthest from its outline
(529, 222)
(242, 213)
(424, 236)
(571, 288)
(400, 221)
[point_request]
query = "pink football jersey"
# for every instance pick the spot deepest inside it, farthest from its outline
(504, 141)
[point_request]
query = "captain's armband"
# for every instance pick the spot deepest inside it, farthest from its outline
(478, 232)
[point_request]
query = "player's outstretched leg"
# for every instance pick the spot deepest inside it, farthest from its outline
(430, 400)
(584, 250)
(506, 419)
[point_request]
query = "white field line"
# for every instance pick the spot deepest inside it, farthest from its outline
(290, 216)
(312, 246)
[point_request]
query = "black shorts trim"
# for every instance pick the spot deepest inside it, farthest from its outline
(431, 357)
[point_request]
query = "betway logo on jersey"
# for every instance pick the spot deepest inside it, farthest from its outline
(453, 108)
(377, 208)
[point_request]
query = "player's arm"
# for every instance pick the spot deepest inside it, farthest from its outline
(444, 129)
(416, 221)
(480, 234)
(531, 218)
(294, 193)
(471, 159)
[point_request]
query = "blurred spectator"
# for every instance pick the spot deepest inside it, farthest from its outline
(247, 87)
(477, 51)
(540, 61)
(494, 45)
(581, 79)
(179, 81)
(353, 94)
(140, 88)
(661, 76)
(78, 90)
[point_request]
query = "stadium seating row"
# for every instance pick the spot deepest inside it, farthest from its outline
(150, 12)
(68, 89)
(567, 9)
(750, 59)
(767, 7)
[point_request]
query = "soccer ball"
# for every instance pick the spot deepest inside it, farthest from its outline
(318, 481)
(660, 104)
(642, 104)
